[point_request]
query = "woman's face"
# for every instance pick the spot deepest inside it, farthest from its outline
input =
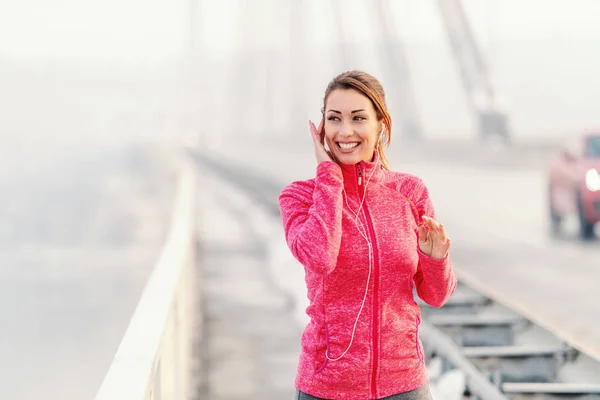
(351, 126)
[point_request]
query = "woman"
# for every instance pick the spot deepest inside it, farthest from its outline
(366, 236)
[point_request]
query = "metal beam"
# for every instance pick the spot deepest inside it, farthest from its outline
(478, 384)
(396, 71)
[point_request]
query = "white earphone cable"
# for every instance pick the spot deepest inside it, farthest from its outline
(364, 234)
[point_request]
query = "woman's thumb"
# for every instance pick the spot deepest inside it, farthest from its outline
(422, 233)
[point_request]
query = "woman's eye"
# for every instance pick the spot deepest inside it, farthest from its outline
(359, 118)
(332, 118)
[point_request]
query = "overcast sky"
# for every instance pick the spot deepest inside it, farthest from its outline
(137, 30)
(543, 54)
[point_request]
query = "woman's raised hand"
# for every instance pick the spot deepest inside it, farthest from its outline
(433, 240)
(318, 137)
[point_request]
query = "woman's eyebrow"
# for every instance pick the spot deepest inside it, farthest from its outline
(339, 112)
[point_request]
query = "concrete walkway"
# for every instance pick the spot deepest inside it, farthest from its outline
(250, 335)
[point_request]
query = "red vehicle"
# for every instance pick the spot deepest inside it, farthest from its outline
(574, 184)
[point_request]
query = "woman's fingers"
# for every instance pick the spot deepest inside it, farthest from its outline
(430, 221)
(437, 229)
(317, 141)
(321, 133)
(422, 232)
(317, 133)
(320, 152)
(435, 233)
(313, 131)
(443, 235)
(434, 225)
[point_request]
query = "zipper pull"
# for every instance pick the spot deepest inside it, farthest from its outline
(359, 176)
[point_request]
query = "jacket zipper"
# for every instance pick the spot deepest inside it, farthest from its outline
(375, 294)
(359, 176)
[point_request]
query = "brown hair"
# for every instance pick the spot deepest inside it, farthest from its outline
(371, 88)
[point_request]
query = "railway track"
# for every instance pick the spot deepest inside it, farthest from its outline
(476, 348)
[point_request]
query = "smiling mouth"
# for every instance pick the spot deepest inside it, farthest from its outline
(347, 146)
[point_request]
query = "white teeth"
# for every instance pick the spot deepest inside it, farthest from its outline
(347, 145)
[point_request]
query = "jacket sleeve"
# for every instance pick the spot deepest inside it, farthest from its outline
(435, 278)
(312, 218)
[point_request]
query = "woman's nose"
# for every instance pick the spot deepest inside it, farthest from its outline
(346, 130)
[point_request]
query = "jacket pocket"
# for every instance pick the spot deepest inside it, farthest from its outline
(420, 354)
(321, 359)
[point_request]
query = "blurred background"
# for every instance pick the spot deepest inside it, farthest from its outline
(495, 105)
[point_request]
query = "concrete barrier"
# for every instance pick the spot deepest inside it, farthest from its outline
(154, 358)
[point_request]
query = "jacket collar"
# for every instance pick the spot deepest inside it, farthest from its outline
(366, 170)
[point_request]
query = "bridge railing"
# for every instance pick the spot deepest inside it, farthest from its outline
(154, 358)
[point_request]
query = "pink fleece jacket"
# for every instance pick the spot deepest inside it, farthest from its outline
(386, 356)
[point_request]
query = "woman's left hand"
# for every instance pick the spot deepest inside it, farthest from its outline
(432, 238)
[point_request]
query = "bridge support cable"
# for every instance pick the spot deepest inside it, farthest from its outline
(490, 120)
(395, 67)
(298, 113)
(344, 56)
